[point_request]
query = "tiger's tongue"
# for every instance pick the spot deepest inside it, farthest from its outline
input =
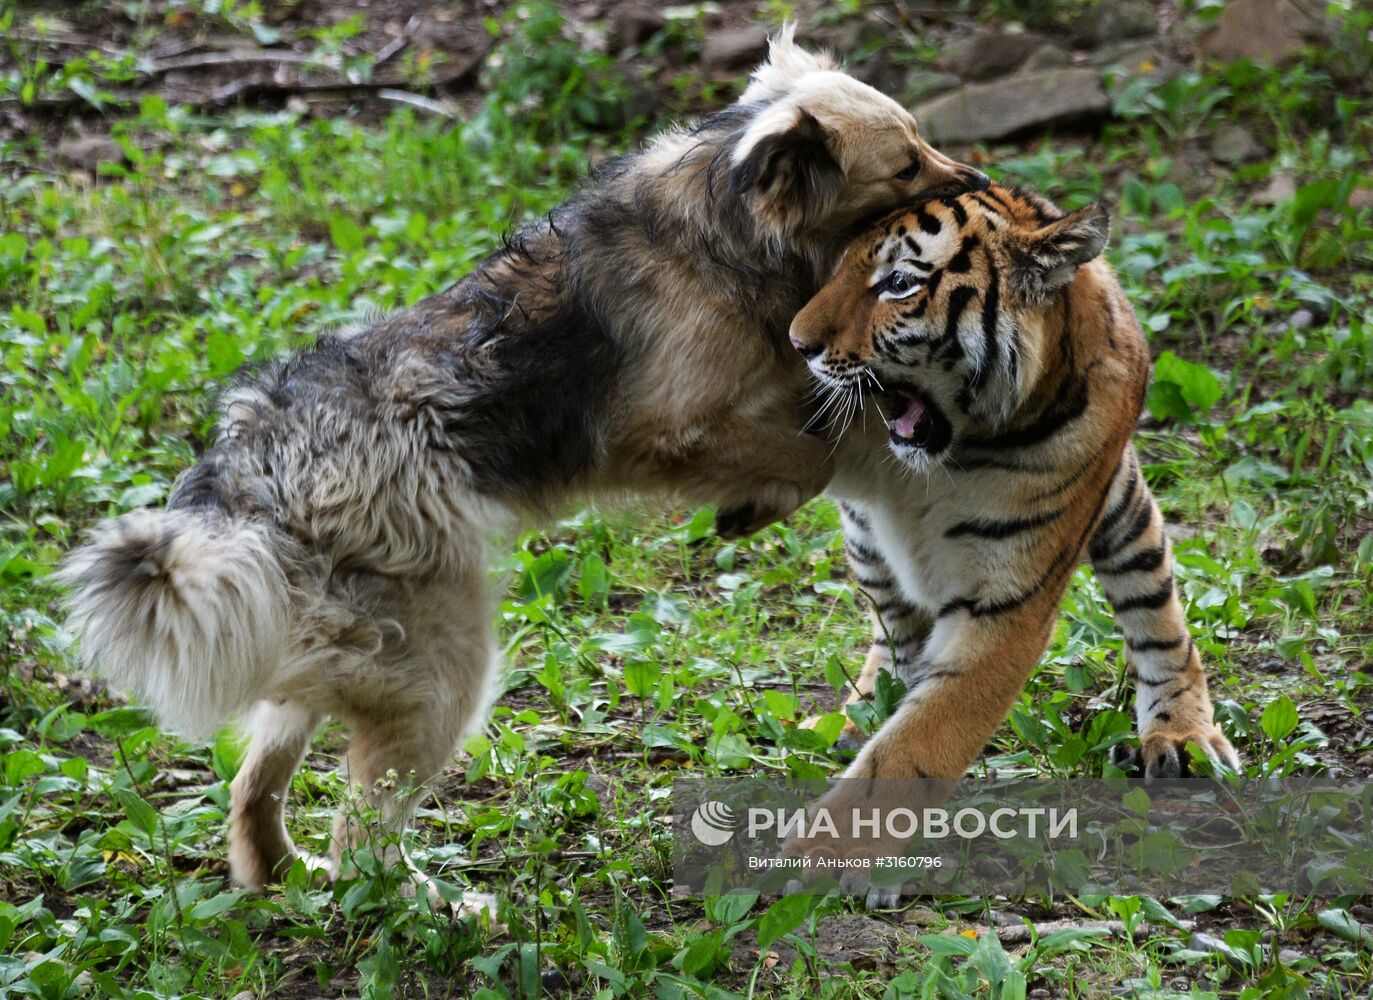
(904, 425)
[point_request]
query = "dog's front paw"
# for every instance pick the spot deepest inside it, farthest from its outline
(772, 502)
(1163, 749)
(736, 522)
(775, 498)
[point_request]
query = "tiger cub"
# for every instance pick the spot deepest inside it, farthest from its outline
(1009, 369)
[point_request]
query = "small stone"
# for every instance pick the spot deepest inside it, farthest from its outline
(1234, 144)
(1047, 56)
(1301, 319)
(555, 981)
(1282, 188)
(860, 941)
(593, 38)
(245, 995)
(89, 151)
(1211, 944)
(1180, 532)
(1207, 943)
(1136, 57)
(985, 54)
(632, 24)
(1286, 956)
(922, 84)
(878, 71)
(1013, 104)
(1361, 198)
(638, 104)
(1266, 31)
(921, 916)
(847, 37)
(1112, 20)
(733, 48)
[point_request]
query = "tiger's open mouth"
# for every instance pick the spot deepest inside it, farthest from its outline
(914, 421)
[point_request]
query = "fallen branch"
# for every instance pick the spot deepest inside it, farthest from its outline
(237, 57)
(417, 101)
(507, 860)
(1023, 933)
(68, 42)
(387, 51)
(244, 89)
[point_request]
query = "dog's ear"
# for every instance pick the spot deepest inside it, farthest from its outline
(788, 175)
(1045, 259)
(787, 62)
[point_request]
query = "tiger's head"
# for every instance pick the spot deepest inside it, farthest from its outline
(942, 312)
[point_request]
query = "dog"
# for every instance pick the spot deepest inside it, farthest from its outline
(329, 554)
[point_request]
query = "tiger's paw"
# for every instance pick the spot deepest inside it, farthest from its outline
(851, 737)
(858, 860)
(819, 858)
(1163, 750)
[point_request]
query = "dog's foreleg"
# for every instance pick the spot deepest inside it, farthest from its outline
(752, 471)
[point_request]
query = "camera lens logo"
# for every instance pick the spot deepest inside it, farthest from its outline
(713, 823)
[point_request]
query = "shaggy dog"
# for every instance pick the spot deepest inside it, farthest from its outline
(329, 555)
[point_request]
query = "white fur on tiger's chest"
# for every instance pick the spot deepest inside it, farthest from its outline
(908, 514)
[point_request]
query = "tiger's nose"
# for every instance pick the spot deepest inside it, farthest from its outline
(804, 349)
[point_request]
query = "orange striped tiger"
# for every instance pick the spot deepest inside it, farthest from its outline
(1009, 369)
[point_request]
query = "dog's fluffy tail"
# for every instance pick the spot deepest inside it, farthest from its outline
(189, 608)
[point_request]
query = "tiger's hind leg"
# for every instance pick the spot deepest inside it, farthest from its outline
(1133, 560)
(899, 628)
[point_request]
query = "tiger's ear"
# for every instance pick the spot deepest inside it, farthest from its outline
(785, 172)
(1046, 259)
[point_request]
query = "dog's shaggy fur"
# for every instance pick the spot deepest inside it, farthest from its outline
(329, 554)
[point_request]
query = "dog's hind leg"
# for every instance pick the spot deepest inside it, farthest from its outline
(437, 681)
(260, 849)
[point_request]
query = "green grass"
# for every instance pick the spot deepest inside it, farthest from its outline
(639, 644)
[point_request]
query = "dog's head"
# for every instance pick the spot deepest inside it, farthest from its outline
(826, 150)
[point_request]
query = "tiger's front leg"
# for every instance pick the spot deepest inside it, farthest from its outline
(975, 663)
(1133, 560)
(899, 627)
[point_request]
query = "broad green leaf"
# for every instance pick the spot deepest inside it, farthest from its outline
(1343, 925)
(142, 815)
(784, 916)
(1279, 718)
